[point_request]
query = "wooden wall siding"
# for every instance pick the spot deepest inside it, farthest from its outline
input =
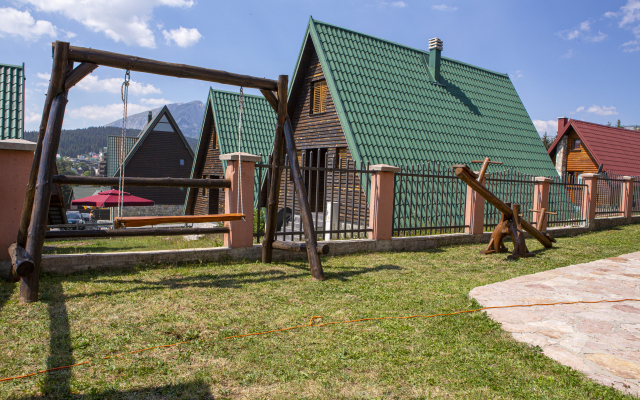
(322, 131)
(212, 166)
(157, 157)
(579, 161)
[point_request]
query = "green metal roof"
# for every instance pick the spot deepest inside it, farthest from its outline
(11, 101)
(258, 127)
(393, 112)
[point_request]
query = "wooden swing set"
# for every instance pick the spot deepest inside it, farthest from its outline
(26, 253)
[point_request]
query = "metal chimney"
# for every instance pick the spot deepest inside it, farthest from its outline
(149, 117)
(435, 47)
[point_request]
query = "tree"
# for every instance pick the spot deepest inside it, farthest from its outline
(65, 167)
(87, 173)
(547, 140)
(608, 123)
(619, 125)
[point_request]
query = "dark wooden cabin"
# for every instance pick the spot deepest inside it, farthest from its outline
(160, 151)
(219, 135)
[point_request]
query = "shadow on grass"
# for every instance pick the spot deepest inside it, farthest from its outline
(93, 249)
(57, 383)
(6, 290)
(232, 281)
(191, 390)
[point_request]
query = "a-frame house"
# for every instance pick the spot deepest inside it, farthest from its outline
(219, 135)
(160, 151)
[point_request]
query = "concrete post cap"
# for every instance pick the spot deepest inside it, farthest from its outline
(542, 179)
(17, 144)
(245, 157)
(627, 178)
(590, 175)
(384, 168)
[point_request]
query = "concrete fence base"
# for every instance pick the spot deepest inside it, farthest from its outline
(71, 263)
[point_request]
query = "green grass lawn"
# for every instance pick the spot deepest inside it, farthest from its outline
(85, 316)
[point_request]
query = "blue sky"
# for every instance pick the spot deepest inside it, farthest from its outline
(579, 59)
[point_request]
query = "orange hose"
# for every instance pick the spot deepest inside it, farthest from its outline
(311, 324)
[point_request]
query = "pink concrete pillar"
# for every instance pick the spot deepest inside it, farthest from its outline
(16, 156)
(474, 210)
(626, 198)
(381, 201)
(240, 232)
(540, 199)
(590, 196)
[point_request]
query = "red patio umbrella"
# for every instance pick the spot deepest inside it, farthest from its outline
(109, 198)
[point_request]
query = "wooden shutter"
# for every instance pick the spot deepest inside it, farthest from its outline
(319, 97)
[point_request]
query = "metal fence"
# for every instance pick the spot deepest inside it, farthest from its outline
(337, 190)
(609, 195)
(635, 207)
(428, 199)
(510, 186)
(565, 198)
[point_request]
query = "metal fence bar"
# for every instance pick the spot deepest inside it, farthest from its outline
(565, 199)
(609, 194)
(635, 207)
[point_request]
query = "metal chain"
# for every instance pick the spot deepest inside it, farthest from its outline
(240, 205)
(124, 91)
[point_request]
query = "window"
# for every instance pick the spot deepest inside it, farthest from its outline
(182, 161)
(575, 145)
(319, 97)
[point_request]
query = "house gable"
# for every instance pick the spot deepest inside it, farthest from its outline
(392, 112)
(160, 151)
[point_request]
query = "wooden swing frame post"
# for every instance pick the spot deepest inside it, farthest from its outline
(33, 222)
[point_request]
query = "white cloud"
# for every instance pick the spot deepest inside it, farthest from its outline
(585, 26)
(33, 117)
(579, 109)
(568, 54)
(443, 7)
(120, 20)
(400, 4)
(46, 76)
(20, 23)
(106, 113)
(630, 12)
(631, 46)
(577, 32)
(517, 74)
(610, 14)
(156, 102)
(597, 38)
(183, 37)
(602, 110)
(550, 126)
(93, 83)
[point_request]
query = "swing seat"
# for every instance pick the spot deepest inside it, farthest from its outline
(134, 222)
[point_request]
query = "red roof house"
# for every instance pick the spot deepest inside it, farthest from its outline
(582, 147)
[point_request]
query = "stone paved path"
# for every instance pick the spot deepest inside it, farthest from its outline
(601, 340)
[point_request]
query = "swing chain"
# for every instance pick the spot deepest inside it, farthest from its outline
(124, 91)
(240, 205)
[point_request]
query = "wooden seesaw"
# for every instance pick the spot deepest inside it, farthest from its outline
(510, 224)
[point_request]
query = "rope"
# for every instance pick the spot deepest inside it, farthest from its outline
(240, 205)
(124, 91)
(312, 325)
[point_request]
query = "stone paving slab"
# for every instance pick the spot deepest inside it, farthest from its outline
(601, 340)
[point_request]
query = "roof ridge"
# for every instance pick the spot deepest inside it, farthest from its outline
(604, 126)
(237, 94)
(12, 65)
(408, 47)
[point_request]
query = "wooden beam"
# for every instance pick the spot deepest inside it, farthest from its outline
(133, 63)
(21, 262)
(78, 74)
(305, 211)
(29, 285)
(298, 247)
(134, 232)
(56, 84)
(148, 182)
(271, 98)
(276, 173)
(466, 175)
(133, 222)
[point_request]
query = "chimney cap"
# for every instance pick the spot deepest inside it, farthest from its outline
(563, 117)
(435, 43)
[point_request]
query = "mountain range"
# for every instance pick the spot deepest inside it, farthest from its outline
(187, 115)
